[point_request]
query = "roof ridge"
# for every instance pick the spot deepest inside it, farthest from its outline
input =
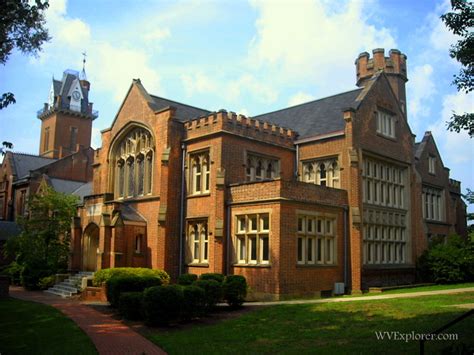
(180, 103)
(31, 155)
(308, 102)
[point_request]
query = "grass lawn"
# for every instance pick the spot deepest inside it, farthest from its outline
(325, 328)
(427, 288)
(34, 328)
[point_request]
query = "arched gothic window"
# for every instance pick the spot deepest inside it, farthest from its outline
(133, 156)
(199, 179)
(322, 172)
(260, 168)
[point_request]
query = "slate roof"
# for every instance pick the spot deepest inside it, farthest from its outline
(65, 186)
(23, 163)
(8, 230)
(183, 112)
(83, 191)
(129, 213)
(315, 117)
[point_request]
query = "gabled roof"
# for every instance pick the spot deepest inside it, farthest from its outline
(64, 186)
(183, 112)
(24, 163)
(420, 146)
(315, 117)
(83, 191)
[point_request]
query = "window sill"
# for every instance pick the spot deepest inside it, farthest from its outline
(316, 266)
(432, 221)
(390, 138)
(206, 194)
(136, 198)
(388, 266)
(198, 265)
(253, 265)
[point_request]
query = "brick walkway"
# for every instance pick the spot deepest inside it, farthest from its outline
(109, 335)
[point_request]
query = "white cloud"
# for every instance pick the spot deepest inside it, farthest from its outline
(456, 147)
(310, 41)
(420, 92)
(300, 98)
(198, 83)
(157, 34)
(258, 89)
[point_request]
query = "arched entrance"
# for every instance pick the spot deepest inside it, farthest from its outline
(90, 246)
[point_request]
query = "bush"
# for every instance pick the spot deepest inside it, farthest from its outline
(162, 304)
(212, 290)
(187, 279)
(130, 305)
(31, 275)
(102, 276)
(46, 282)
(194, 301)
(448, 263)
(235, 290)
(14, 271)
(212, 276)
(119, 284)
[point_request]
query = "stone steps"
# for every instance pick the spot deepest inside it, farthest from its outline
(69, 286)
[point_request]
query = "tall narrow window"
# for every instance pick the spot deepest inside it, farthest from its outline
(73, 139)
(386, 124)
(138, 243)
(149, 172)
(200, 173)
(259, 168)
(130, 177)
(46, 139)
(121, 177)
(198, 240)
(322, 172)
(140, 175)
(432, 165)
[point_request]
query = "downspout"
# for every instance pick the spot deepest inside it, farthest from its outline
(181, 208)
(227, 265)
(346, 247)
(297, 160)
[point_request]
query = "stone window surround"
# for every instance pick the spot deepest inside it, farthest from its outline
(259, 235)
(317, 238)
(433, 203)
(204, 171)
(266, 160)
(385, 123)
(197, 240)
(128, 159)
(312, 165)
(432, 164)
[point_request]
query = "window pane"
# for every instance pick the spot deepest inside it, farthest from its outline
(242, 249)
(300, 249)
(253, 248)
(149, 173)
(141, 175)
(131, 178)
(264, 222)
(265, 250)
(253, 223)
(309, 250)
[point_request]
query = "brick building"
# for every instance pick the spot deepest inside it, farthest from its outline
(331, 191)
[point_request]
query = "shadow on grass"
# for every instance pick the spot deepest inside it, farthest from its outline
(326, 328)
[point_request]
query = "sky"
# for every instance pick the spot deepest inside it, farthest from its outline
(250, 57)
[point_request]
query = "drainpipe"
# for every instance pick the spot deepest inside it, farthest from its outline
(297, 160)
(227, 264)
(181, 208)
(346, 247)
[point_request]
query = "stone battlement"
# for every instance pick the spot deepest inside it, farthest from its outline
(395, 63)
(239, 125)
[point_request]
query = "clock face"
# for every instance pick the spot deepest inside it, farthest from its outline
(76, 95)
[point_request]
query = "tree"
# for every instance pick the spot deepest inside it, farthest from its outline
(42, 248)
(461, 21)
(21, 26)
(5, 146)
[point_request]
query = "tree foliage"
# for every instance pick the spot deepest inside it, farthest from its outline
(22, 26)
(461, 22)
(45, 238)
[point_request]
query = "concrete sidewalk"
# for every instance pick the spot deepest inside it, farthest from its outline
(110, 336)
(365, 298)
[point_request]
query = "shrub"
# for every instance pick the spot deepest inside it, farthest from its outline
(31, 275)
(103, 275)
(162, 304)
(187, 279)
(194, 301)
(14, 271)
(119, 284)
(46, 282)
(447, 263)
(130, 305)
(212, 276)
(212, 290)
(235, 290)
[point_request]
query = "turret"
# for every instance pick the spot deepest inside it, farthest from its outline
(394, 66)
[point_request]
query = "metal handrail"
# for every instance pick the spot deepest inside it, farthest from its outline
(444, 327)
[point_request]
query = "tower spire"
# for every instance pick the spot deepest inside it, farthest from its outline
(82, 75)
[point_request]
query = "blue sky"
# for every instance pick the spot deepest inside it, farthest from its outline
(246, 56)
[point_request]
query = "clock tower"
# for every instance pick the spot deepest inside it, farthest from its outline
(66, 119)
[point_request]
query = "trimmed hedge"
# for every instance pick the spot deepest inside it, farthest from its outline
(194, 301)
(187, 279)
(212, 276)
(163, 304)
(212, 290)
(235, 290)
(119, 284)
(102, 276)
(130, 305)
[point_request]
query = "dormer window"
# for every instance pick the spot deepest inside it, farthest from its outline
(432, 165)
(385, 124)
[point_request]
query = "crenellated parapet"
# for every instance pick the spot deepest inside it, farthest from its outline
(241, 125)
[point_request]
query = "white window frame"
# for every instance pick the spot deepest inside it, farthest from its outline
(433, 204)
(252, 237)
(199, 172)
(254, 161)
(198, 242)
(312, 172)
(386, 124)
(316, 241)
(432, 164)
